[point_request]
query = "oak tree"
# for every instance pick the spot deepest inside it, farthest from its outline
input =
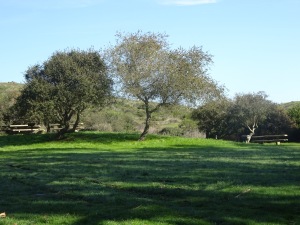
(61, 88)
(147, 69)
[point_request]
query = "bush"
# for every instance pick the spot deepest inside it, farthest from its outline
(172, 131)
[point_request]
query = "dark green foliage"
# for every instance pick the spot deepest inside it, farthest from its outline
(63, 87)
(294, 114)
(211, 118)
(276, 121)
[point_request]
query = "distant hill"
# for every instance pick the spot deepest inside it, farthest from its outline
(9, 89)
(289, 105)
(8, 93)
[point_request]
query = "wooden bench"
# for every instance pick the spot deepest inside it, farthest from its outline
(55, 127)
(23, 128)
(278, 138)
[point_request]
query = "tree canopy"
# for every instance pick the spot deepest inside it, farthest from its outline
(147, 69)
(61, 88)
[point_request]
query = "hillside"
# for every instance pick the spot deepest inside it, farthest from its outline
(289, 105)
(129, 115)
(8, 93)
(9, 90)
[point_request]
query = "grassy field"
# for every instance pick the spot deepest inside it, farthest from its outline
(110, 178)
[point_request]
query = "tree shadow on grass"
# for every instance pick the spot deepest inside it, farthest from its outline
(91, 137)
(178, 185)
(24, 139)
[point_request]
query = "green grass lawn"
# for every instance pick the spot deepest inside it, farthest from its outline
(110, 178)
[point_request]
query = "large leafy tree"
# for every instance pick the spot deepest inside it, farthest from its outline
(62, 87)
(148, 70)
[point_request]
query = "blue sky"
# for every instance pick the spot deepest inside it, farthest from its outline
(255, 43)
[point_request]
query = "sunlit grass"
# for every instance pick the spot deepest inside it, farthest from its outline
(111, 178)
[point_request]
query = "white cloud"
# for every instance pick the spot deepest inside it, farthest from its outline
(186, 2)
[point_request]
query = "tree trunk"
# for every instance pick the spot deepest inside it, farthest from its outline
(147, 122)
(65, 125)
(207, 134)
(62, 132)
(48, 128)
(76, 122)
(147, 126)
(249, 136)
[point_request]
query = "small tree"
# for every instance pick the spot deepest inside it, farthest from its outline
(148, 70)
(63, 87)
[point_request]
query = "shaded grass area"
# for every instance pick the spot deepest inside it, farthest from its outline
(110, 178)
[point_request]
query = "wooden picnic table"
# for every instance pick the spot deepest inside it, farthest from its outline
(54, 127)
(22, 128)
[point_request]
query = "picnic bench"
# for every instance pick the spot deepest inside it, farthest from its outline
(22, 128)
(278, 138)
(55, 127)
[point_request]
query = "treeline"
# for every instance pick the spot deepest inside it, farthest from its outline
(215, 119)
(73, 85)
